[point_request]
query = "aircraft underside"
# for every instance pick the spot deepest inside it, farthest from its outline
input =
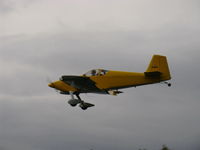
(82, 104)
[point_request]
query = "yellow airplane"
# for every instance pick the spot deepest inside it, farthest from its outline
(109, 82)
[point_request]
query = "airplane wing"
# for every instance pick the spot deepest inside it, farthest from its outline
(83, 84)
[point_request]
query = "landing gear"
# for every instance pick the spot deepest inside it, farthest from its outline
(85, 105)
(168, 84)
(73, 102)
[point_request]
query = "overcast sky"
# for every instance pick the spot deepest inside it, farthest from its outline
(41, 40)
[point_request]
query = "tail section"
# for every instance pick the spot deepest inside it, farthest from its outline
(158, 67)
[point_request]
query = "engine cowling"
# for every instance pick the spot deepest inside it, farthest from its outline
(74, 102)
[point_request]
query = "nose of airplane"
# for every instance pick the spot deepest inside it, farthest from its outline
(51, 85)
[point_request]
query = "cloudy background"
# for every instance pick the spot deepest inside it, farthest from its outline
(41, 40)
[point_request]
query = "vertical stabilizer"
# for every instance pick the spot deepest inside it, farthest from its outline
(159, 64)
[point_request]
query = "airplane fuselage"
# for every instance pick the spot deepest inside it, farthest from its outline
(112, 80)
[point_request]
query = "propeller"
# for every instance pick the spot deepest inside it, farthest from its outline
(48, 80)
(51, 84)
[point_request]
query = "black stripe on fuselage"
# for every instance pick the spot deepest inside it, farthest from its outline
(81, 83)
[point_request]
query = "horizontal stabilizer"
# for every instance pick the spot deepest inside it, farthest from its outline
(153, 74)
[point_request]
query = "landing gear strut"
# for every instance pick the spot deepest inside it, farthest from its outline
(73, 102)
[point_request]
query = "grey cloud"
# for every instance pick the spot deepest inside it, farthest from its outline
(131, 119)
(11, 6)
(6, 6)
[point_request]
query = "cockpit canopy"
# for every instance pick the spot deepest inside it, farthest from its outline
(96, 72)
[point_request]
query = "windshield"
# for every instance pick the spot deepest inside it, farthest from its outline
(96, 72)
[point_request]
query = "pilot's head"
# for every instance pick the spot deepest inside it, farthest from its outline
(93, 72)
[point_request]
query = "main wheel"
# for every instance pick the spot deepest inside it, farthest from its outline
(83, 106)
(73, 102)
(73, 105)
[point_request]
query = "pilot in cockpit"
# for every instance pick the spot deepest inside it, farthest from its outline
(96, 72)
(93, 72)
